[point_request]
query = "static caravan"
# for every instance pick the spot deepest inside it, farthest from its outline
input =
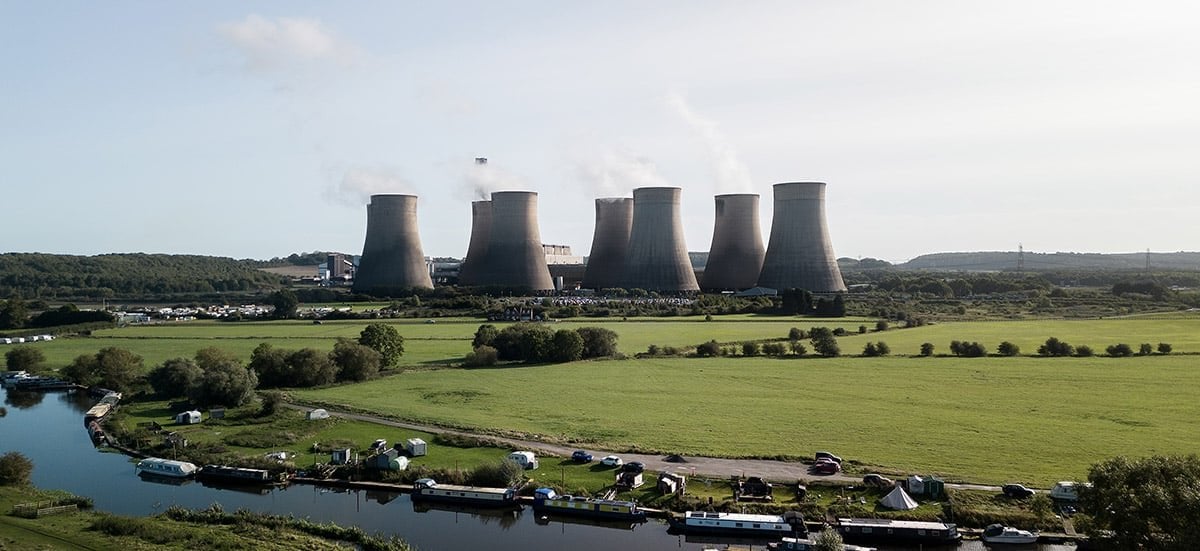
(415, 447)
(525, 459)
(188, 417)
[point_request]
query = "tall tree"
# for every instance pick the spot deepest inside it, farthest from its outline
(1146, 503)
(285, 303)
(385, 340)
(598, 342)
(173, 377)
(224, 381)
(567, 347)
(24, 358)
(823, 342)
(13, 314)
(354, 361)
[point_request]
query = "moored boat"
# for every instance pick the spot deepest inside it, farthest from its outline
(897, 531)
(166, 467)
(998, 533)
(740, 524)
(546, 500)
(96, 412)
(427, 489)
(235, 475)
(798, 544)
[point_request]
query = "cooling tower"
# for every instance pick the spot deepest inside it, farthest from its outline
(736, 255)
(800, 254)
(610, 243)
(514, 256)
(481, 229)
(392, 258)
(658, 258)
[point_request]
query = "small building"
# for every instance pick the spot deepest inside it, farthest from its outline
(671, 483)
(630, 480)
(415, 447)
(340, 457)
(525, 459)
(317, 414)
(216, 413)
(388, 460)
(187, 417)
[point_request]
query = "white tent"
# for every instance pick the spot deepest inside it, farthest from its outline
(899, 500)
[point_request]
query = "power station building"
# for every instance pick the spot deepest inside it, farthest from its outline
(392, 258)
(513, 256)
(610, 243)
(799, 251)
(657, 259)
(736, 255)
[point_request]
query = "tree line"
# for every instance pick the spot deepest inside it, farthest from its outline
(113, 275)
(538, 343)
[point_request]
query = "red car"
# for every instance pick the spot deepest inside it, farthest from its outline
(825, 467)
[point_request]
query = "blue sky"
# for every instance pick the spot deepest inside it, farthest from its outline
(257, 129)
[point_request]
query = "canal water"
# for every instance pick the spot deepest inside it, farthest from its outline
(48, 429)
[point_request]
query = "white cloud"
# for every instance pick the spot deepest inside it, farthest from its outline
(286, 42)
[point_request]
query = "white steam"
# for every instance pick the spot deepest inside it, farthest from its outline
(731, 174)
(357, 185)
(614, 173)
(479, 180)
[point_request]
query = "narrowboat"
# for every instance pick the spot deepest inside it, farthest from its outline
(897, 531)
(166, 467)
(798, 544)
(235, 475)
(96, 412)
(427, 489)
(546, 500)
(740, 524)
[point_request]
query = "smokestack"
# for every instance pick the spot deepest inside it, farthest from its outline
(800, 254)
(610, 243)
(514, 256)
(392, 258)
(481, 230)
(658, 258)
(736, 255)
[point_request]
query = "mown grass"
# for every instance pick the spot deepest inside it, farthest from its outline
(986, 419)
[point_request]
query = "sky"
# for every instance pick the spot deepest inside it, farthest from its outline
(259, 129)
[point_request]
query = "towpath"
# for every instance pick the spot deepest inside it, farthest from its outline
(780, 471)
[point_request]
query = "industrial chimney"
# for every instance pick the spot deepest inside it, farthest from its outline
(514, 256)
(481, 229)
(799, 253)
(392, 258)
(610, 243)
(736, 255)
(658, 258)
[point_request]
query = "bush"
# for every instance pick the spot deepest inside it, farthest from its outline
(24, 358)
(795, 334)
(15, 469)
(774, 349)
(927, 349)
(598, 342)
(750, 349)
(1084, 351)
(653, 350)
(839, 332)
(1008, 349)
(824, 343)
(1164, 348)
(568, 346)
(798, 348)
(1054, 347)
(881, 325)
(708, 349)
(482, 356)
(1119, 350)
(1145, 349)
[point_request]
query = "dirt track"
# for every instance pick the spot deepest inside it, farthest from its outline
(776, 471)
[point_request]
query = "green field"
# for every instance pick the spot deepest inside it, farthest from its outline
(1031, 419)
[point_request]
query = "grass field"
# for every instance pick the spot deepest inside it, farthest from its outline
(1026, 419)
(984, 420)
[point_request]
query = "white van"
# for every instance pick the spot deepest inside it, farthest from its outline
(1065, 491)
(525, 459)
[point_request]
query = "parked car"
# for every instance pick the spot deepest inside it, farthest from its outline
(827, 455)
(878, 481)
(580, 456)
(1017, 491)
(825, 467)
(634, 467)
(611, 461)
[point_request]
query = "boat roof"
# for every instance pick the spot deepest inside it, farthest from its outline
(161, 461)
(744, 517)
(890, 523)
(459, 488)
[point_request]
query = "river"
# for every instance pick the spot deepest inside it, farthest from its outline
(48, 429)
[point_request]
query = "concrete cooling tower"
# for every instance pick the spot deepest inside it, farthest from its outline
(736, 255)
(610, 243)
(799, 253)
(481, 229)
(658, 258)
(392, 258)
(514, 256)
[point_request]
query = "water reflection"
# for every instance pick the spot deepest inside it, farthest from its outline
(22, 399)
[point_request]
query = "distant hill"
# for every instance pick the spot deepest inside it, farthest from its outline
(1007, 260)
(125, 275)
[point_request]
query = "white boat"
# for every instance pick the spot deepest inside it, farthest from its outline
(427, 489)
(797, 544)
(740, 524)
(996, 533)
(166, 467)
